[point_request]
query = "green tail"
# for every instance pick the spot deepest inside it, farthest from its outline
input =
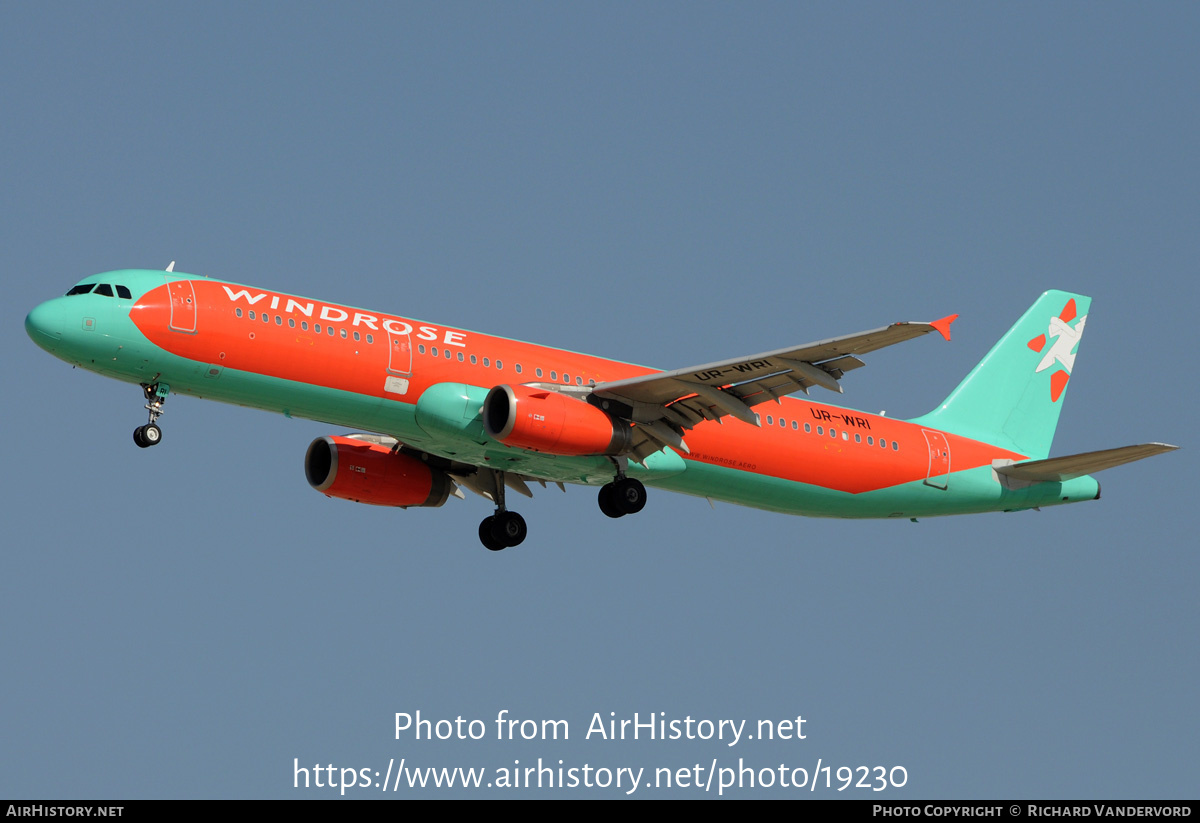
(1013, 397)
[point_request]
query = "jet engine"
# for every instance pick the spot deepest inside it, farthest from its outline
(371, 473)
(550, 422)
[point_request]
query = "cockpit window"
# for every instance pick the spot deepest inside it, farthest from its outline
(82, 288)
(104, 290)
(122, 291)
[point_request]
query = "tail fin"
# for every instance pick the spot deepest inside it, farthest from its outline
(1013, 397)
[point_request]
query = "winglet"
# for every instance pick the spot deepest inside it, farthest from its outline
(943, 325)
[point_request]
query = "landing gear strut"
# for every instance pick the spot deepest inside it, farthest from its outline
(150, 434)
(625, 495)
(504, 529)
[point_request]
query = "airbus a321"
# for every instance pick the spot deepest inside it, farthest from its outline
(441, 409)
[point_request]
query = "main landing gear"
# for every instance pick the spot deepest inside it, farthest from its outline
(504, 529)
(150, 434)
(625, 495)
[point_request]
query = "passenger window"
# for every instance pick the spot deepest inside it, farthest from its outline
(858, 438)
(578, 380)
(870, 441)
(356, 337)
(266, 318)
(518, 366)
(808, 428)
(343, 331)
(304, 325)
(238, 312)
(104, 290)
(499, 365)
(370, 339)
(770, 422)
(487, 362)
(845, 435)
(895, 445)
(251, 315)
(795, 426)
(474, 360)
(124, 292)
(553, 375)
(539, 371)
(316, 326)
(820, 429)
(291, 322)
(279, 320)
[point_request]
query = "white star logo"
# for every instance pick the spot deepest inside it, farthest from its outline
(1066, 339)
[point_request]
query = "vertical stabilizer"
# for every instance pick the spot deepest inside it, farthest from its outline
(1013, 397)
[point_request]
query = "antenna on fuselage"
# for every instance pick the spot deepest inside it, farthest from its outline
(171, 267)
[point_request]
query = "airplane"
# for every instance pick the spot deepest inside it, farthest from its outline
(438, 409)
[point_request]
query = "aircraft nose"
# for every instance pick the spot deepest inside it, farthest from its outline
(44, 325)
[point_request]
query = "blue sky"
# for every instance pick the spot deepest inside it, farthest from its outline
(663, 183)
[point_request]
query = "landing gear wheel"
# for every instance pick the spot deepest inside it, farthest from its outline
(608, 505)
(508, 528)
(485, 535)
(147, 435)
(151, 434)
(628, 495)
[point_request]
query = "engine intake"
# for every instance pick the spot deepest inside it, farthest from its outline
(370, 473)
(550, 422)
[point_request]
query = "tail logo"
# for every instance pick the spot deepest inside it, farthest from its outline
(1062, 350)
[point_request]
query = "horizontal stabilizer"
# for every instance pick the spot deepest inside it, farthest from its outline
(1060, 469)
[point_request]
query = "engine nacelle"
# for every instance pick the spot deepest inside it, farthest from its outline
(369, 473)
(550, 422)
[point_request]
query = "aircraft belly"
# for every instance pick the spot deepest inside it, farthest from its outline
(970, 491)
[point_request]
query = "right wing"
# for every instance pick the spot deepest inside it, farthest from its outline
(665, 404)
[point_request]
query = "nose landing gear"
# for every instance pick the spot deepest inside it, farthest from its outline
(150, 434)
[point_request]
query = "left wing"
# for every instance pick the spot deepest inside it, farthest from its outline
(663, 405)
(484, 482)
